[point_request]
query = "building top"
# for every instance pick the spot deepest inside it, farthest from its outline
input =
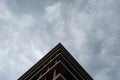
(57, 59)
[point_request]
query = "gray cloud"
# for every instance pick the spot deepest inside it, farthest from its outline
(89, 29)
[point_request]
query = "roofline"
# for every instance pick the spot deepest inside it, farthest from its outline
(57, 47)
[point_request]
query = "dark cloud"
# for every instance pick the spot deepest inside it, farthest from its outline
(29, 6)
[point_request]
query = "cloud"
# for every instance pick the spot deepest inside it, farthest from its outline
(88, 29)
(13, 42)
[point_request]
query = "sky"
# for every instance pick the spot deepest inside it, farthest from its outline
(88, 29)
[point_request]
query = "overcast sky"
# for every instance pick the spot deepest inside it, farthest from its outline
(89, 29)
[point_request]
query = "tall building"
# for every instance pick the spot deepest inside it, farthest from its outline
(58, 64)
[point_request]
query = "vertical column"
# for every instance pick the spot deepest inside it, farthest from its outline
(40, 74)
(54, 73)
(48, 67)
(56, 61)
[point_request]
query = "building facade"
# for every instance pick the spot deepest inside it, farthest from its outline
(58, 64)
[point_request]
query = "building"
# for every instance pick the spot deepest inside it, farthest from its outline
(58, 64)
